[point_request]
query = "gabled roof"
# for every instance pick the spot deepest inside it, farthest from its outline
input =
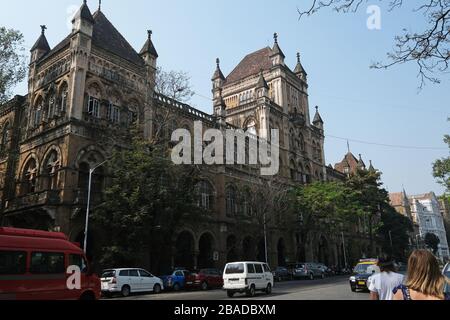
(262, 83)
(251, 65)
(107, 37)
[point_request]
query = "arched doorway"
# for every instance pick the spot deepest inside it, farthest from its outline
(281, 249)
(206, 248)
(323, 254)
(232, 254)
(184, 250)
(261, 252)
(248, 249)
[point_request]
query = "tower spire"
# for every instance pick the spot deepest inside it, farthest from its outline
(99, 5)
(43, 28)
(348, 146)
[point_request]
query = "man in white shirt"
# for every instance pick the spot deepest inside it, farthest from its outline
(381, 285)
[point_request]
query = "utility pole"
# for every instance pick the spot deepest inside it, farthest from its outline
(343, 247)
(390, 239)
(265, 240)
(91, 172)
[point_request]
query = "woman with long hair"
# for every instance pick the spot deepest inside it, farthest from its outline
(424, 279)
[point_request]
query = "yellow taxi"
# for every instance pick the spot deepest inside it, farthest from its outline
(361, 273)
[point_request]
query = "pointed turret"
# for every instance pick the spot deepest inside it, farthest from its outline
(149, 48)
(299, 70)
(84, 14)
(317, 118)
(372, 169)
(277, 55)
(41, 47)
(218, 75)
(83, 21)
(361, 164)
(262, 88)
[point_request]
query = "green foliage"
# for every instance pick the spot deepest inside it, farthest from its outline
(432, 241)
(12, 61)
(145, 202)
(441, 168)
(396, 227)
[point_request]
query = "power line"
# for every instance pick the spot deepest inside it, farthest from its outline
(385, 145)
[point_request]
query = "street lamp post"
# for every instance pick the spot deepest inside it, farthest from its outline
(265, 239)
(91, 172)
(343, 247)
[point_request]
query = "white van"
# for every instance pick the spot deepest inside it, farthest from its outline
(247, 277)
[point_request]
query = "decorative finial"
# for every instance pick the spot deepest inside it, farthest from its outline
(317, 108)
(218, 62)
(85, 2)
(149, 32)
(298, 57)
(275, 37)
(43, 28)
(348, 146)
(99, 5)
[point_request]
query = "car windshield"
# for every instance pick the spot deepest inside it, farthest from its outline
(108, 274)
(235, 268)
(362, 268)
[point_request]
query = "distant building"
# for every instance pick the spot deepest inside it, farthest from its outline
(426, 211)
(400, 202)
(350, 165)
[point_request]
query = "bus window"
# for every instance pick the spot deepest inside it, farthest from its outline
(47, 263)
(13, 262)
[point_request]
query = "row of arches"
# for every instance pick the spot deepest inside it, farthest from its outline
(204, 252)
(49, 106)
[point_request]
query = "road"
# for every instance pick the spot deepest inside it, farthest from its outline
(336, 288)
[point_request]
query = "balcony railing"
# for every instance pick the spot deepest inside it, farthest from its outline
(297, 118)
(43, 198)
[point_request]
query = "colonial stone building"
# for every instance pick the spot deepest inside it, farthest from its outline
(85, 94)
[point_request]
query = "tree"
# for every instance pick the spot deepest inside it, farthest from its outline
(174, 84)
(12, 61)
(147, 199)
(432, 241)
(324, 207)
(441, 168)
(394, 228)
(367, 186)
(428, 48)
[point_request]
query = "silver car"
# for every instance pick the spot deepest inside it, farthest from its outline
(308, 270)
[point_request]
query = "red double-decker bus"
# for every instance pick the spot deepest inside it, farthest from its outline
(34, 265)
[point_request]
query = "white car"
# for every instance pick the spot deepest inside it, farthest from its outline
(247, 277)
(126, 281)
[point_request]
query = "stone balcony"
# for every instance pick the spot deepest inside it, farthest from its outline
(37, 199)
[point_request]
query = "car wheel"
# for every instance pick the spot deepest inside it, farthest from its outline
(125, 291)
(251, 292)
(157, 289)
(176, 287)
(311, 276)
(230, 294)
(269, 289)
(205, 286)
(323, 275)
(353, 289)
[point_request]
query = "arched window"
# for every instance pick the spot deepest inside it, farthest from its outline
(247, 209)
(251, 127)
(5, 137)
(29, 177)
(52, 165)
(51, 108)
(83, 176)
(93, 101)
(36, 116)
(302, 142)
(293, 170)
(205, 195)
(97, 180)
(231, 203)
(64, 92)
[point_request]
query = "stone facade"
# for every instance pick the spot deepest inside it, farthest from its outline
(84, 95)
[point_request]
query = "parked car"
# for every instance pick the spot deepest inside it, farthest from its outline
(127, 281)
(326, 271)
(34, 265)
(204, 279)
(361, 273)
(281, 273)
(306, 270)
(247, 277)
(176, 279)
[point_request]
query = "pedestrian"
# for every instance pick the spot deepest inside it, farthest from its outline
(424, 279)
(382, 284)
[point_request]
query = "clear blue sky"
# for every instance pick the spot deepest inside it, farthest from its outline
(356, 102)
